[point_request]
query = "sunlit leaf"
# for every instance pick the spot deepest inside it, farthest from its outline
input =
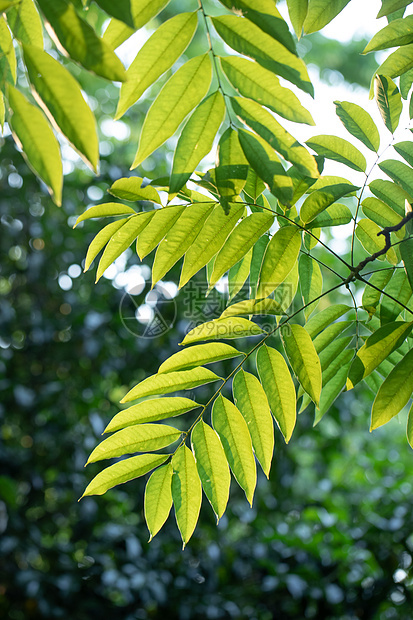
(170, 382)
(406, 251)
(320, 199)
(405, 149)
(130, 188)
(8, 63)
(388, 100)
(311, 282)
(251, 401)
(40, 148)
(25, 23)
(170, 108)
(238, 275)
(254, 82)
(199, 355)
(232, 168)
(371, 296)
(335, 215)
(390, 193)
(409, 429)
(398, 32)
(80, 40)
(279, 388)
(123, 471)
(297, 10)
(338, 149)
(280, 257)
(155, 57)
(100, 240)
(226, 328)
(236, 440)
(254, 307)
(106, 209)
(158, 498)
(151, 410)
(303, 358)
(186, 492)
(399, 289)
(161, 222)
(321, 12)
(394, 393)
(121, 10)
(401, 173)
(212, 466)
(380, 212)
(329, 335)
(376, 348)
(142, 11)
(389, 6)
(359, 123)
(323, 318)
(367, 233)
(246, 38)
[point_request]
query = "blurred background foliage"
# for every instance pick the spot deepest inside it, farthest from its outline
(330, 535)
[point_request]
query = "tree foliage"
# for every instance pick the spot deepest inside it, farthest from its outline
(265, 210)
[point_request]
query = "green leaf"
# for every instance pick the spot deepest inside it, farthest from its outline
(336, 215)
(236, 440)
(297, 10)
(379, 212)
(311, 282)
(238, 274)
(254, 82)
(199, 355)
(25, 23)
(280, 256)
(142, 11)
(121, 10)
(389, 6)
(388, 100)
(338, 149)
(401, 173)
(39, 146)
(406, 81)
(80, 40)
(279, 388)
(409, 429)
(123, 471)
(208, 242)
(196, 139)
(246, 38)
(265, 125)
(107, 209)
(376, 348)
(406, 252)
(100, 240)
(155, 57)
(251, 401)
(321, 12)
(323, 318)
(303, 358)
(367, 233)
(359, 123)
(371, 296)
(239, 242)
(8, 64)
(405, 149)
(151, 410)
(391, 194)
(333, 350)
(254, 307)
(161, 222)
(394, 393)
(212, 466)
(59, 94)
(320, 199)
(186, 492)
(170, 382)
(2, 110)
(398, 32)
(329, 335)
(180, 237)
(254, 186)
(264, 14)
(399, 288)
(122, 239)
(265, 162)
(333, 388)
(396, 64)
(130, 188)
(158, 499)
(170, 108)
(342, 358)
(6, 4)
(227, 328)
(138, 438)
(258, 252)
(232, 168)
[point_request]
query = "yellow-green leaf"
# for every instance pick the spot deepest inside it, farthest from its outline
(338, 149)
(367, 233)
(100, 240)
(156, 56)
(311, 282)
(321, 12)
(158, 499)
(394, 393)
(161, 222)
(222, 329)
(280, 257)
(390, 6)
(303, 358)
(170, 382)
(212, 466)
(8, 63)
(279, 388)
(252, 307)
(232, 168)
(320, 199)
(238, 274)
(252, 81)
(198, 356)
(33, 133)
(107, 209)
(130, 188)
(251, 401)
(389, 100)
(376, 348)
(406, 252)
(401, 173)
(398, 289)
(80, 40)
(60, 96)
(297, 10)
(123, 471)
(25, 23)
(359, 123)
(170, 107)
(335, 215)
(398, 32)
(142, 11)
(409, 429)
(151, 410)
(186, 492)
(323, 318)
(236, 440)
(138, 438)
